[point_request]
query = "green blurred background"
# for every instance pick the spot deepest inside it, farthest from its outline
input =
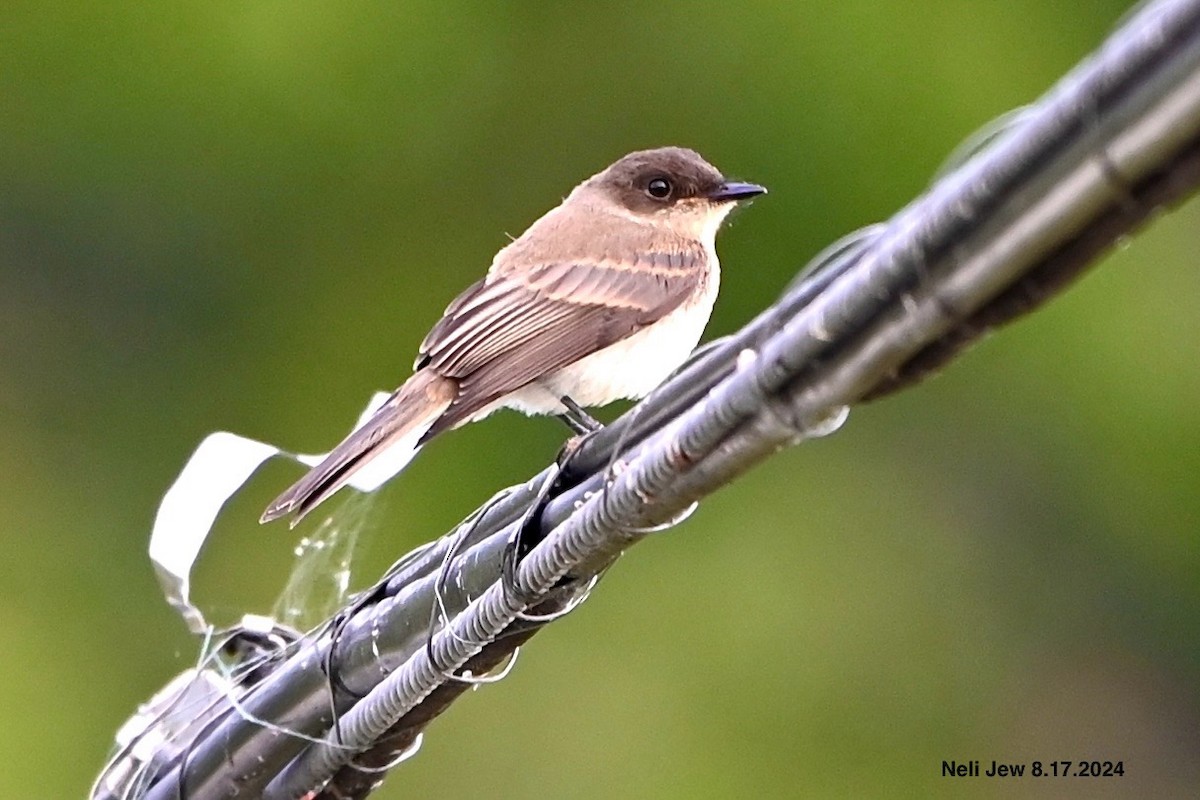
(244, 216)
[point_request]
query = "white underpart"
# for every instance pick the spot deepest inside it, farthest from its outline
(636, 365)
(632, 367)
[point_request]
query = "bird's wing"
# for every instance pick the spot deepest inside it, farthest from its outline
(516, 326)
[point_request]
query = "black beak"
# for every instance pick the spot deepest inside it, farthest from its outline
(733, 190)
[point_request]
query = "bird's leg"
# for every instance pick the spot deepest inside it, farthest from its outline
(578, 420)
(527, 532)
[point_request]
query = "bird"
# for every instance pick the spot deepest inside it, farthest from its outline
(599, 300)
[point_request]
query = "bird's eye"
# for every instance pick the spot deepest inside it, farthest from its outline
(659, 188)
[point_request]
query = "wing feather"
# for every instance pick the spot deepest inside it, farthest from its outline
(513, 327)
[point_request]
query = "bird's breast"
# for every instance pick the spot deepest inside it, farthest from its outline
(634, 366)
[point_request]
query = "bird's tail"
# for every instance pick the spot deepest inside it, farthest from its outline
(390, 438)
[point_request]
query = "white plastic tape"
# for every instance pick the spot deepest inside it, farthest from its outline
(218, 468)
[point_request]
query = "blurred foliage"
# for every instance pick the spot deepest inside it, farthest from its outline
(244, 216)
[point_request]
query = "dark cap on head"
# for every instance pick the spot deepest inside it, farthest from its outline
(649, 180)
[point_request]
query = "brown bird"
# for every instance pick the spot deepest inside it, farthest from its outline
(599, 300)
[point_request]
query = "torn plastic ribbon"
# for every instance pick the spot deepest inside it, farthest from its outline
(218, 468)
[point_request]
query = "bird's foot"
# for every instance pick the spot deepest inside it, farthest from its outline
(579, 421)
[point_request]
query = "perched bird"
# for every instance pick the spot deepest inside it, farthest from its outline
(599, 300)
